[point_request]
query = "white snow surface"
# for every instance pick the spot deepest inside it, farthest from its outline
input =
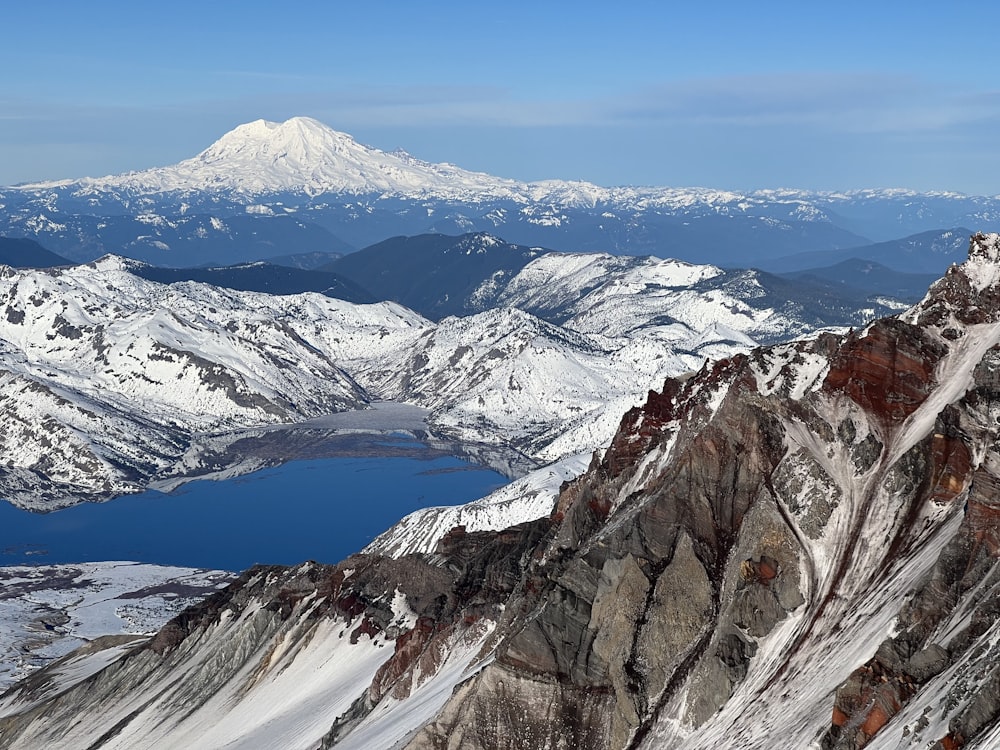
(268, 682)
(285, 693)
(525, 499)
(506, 376)
(622, 296)
(48, 611)
(394, 721)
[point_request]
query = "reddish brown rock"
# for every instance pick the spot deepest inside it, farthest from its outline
(888, 371)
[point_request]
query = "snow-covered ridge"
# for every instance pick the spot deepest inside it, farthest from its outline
(107, 376)
(690, 306)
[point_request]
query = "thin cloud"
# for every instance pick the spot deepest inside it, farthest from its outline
(848, 103)
(862, 103)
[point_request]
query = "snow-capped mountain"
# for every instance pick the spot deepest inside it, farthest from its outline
(303, 155)
(267, 189)
(800, 542)
(300, 155)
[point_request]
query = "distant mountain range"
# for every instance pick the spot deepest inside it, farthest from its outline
(112, 369)
(928, 253)
(439, 275)
(22, 253)
(280, 189)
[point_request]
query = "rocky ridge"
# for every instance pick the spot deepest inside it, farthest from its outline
(799, 542)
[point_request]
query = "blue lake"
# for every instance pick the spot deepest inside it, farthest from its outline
(322, 509)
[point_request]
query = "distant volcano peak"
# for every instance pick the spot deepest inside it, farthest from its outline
(300, 141)
(302, 155)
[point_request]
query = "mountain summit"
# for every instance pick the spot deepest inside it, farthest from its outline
(301, 155)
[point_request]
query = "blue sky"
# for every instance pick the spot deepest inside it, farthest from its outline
(728, 95)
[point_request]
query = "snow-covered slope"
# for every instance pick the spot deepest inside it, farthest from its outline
(211, 355)
(106, 377)
(556, 284)
(525, 499)
(48, 611)
(688, 305)
(506, 375)
(273, 668)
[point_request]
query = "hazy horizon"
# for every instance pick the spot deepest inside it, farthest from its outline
(732, 97)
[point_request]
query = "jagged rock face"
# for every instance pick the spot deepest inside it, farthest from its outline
(750, 538)
(887, 371)
(799, 543)
(624, 607)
